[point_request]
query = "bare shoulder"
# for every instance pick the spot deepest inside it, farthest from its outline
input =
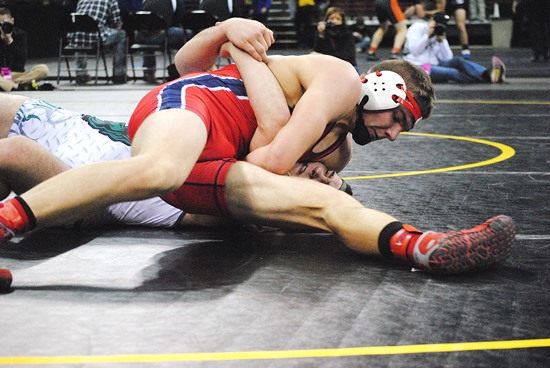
(301, 72)
(312, 64)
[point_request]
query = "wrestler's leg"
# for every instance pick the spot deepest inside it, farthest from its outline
(166, 147)
(256, 196)
(24, 164)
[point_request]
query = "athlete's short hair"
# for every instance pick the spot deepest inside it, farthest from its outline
(418, 82)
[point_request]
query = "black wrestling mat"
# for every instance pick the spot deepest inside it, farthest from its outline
(157, 298)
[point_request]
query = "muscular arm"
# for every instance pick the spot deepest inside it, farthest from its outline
(201, 52)
(265, 95)
(324, 89)
(246, 38)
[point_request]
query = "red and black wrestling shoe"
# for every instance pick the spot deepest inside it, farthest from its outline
(456, 252)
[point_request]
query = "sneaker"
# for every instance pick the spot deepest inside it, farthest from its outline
(372, 57)
(395, 56)
(28, 86)
(5, 280)
(6, 233)
(463, 251)
(46, 87)
(498, 72)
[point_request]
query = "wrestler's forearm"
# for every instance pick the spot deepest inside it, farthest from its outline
(266, 97)
(200, 52)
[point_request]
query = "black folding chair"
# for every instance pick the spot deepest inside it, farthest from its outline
(198, 20)
(80, 22)
(147, 22)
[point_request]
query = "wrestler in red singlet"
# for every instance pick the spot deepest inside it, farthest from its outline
(219, 99)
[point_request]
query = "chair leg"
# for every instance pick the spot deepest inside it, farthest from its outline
(59, 60)
(165, 55)
(68, 69)
(133, 67)
(97, 55)
(105, 66)
(164, 65)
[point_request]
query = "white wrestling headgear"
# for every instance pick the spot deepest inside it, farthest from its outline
(384, 90)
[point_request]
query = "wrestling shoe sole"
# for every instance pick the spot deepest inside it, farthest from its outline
(474, 250)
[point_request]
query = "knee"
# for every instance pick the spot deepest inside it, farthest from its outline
(158, 176)
(120, 37)
(41, 70)
(12, 151)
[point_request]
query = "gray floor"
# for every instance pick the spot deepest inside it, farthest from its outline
(157, 298)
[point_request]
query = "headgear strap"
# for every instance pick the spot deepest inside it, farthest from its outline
(411, 105)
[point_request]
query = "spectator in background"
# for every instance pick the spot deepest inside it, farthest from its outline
(128, 7)
(538, 20)
(477, 11)
(415, 10)
(429, 48)
(388, 12)
(222, 9)
(520, 27)
(107, 15)
(458, 9)
(13, 57)
(303, 21)
(334, 38)
(260, 10)
(361, 35)
(171, 12)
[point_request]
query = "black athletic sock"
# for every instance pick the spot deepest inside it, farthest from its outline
(30, 216)
(386, 234)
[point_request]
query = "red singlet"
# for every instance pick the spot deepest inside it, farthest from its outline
(220, 100)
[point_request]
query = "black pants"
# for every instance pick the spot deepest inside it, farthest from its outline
(304, 25)
(538, 15)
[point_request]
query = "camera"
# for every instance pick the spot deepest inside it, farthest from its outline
(334, 28)
(440, 29)
(441, 20)
(6, 27)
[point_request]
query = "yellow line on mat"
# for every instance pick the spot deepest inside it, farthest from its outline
(282, 354)
(494, 102)
(505, 153)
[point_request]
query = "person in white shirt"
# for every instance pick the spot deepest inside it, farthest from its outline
(428, 47)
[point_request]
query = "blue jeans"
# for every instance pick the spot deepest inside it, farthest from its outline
(176, 39)
(118, 44)
(363, 44)
(459, 70)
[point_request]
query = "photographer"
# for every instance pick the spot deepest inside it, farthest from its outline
(428, 47)
(334, 38)
(13, 57)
